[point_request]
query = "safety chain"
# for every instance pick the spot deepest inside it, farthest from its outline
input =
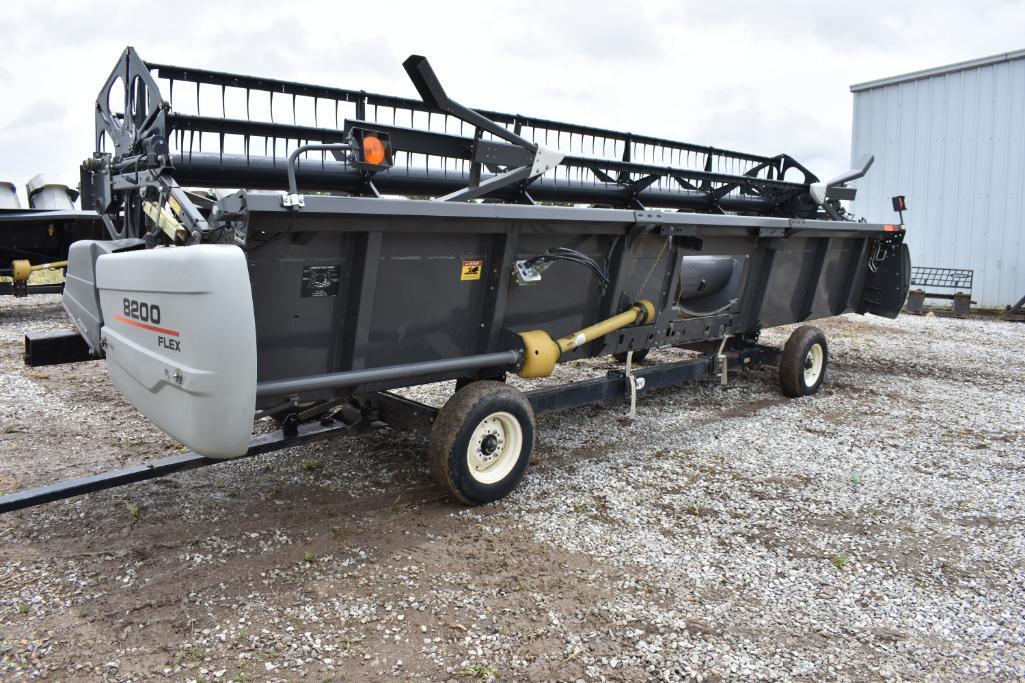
(654, 263)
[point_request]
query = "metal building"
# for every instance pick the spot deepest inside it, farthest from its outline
(952, 139)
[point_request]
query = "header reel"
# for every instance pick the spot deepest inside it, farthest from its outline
(147, 151)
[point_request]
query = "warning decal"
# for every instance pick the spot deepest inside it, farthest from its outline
(471, 270)
(320, 281)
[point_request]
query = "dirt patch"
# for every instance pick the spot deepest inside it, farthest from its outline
(157, 588)
(725, 532)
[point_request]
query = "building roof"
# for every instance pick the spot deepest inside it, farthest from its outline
(940, 70)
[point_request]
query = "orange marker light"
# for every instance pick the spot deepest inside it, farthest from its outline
(373, 150)
(892, 228)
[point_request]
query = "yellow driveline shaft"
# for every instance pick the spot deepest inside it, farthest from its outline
(632, 315)
(21, 269)
(541, 352)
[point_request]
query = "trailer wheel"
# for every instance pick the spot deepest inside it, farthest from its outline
(481, 442)
(639, 355)
(802, 365)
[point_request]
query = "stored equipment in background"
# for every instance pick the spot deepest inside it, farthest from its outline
(1016, 313)
(954, 285)
(384, 242)
(38, 238)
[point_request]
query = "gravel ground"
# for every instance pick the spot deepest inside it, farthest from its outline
(872, 531)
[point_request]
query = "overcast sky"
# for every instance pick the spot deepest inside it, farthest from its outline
(762, 76)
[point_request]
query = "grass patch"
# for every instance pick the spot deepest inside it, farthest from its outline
(190, 656)
(481, 672)
(310, 465)
(839, 561)
(133, 510)
(308, 556)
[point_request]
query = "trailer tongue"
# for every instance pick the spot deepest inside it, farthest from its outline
(529, 242)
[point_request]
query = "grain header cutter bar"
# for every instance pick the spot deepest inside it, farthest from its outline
(382, 242)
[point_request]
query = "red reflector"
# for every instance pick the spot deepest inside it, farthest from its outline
(892, 228)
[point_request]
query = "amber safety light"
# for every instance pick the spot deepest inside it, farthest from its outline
(373, 150)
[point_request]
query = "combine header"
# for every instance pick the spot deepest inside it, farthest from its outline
(38, 238)
(383, 242)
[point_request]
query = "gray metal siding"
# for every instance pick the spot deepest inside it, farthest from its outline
(954, 144)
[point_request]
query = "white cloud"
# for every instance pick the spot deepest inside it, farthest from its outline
(766, 77)
(37, 114)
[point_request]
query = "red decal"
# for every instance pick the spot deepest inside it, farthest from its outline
(151, 328)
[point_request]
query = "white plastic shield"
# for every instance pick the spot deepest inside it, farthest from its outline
(180, 340)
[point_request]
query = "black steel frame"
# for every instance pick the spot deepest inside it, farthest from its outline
(949, 278)
(23, 289)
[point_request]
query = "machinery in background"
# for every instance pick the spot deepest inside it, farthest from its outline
(38, 238)
(951, 284)
(1016, 313)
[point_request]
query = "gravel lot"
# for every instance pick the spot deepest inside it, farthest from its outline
(873, 531)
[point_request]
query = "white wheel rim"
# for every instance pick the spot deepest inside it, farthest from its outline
(813, 365)
(494, 447)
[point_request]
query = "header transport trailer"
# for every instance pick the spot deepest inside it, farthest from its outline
(384, 242)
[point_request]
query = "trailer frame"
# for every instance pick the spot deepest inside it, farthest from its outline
(378, 409)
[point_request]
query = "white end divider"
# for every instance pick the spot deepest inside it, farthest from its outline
(180, 340)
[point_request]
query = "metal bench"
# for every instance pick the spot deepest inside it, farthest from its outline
(957, 282)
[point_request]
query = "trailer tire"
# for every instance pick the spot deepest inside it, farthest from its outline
(481, 442)
(639, 355)
(802, 364)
